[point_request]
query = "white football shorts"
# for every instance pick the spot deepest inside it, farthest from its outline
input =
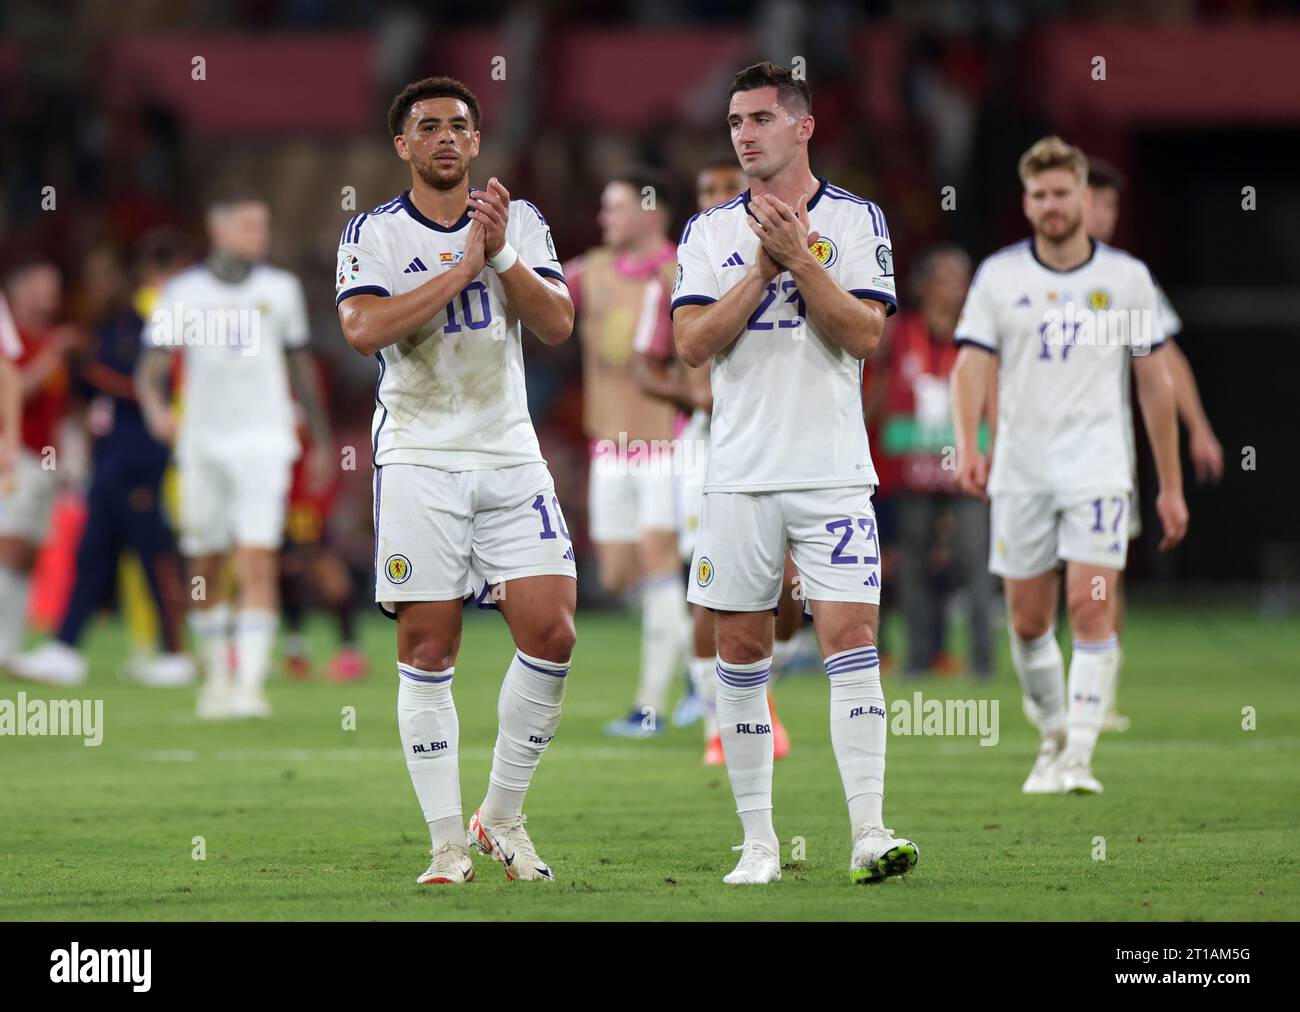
(233, 501)
(1030, 533)
(690, 488)
(1134, 515)
(740, 555)
(624, 499)
(25, 511)
(439, 534)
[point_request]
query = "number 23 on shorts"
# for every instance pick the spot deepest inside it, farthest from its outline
(845, 528)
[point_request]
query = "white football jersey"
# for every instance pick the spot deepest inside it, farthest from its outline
(1064, 341)
(452, 394)
(787, 402)
(235, 396)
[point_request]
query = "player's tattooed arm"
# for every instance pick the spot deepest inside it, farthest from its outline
(1155, 389)
(970, 393)
(856, 325)
(1202, 443)
(306, 388)
(542, 304)
(153, 391)
(373, 322)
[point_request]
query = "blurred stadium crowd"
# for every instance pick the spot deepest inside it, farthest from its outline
(126, 117)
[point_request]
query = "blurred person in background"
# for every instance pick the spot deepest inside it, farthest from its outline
(11, 402)
(160, 253)
(314, 572)
(632, 490)
(124, 507)
(662, 375)
(33, 292)
(1061, 469)
(1105, 184)
(938, 530)
(242, 328)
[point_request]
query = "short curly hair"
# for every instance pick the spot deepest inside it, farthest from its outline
(430, 87)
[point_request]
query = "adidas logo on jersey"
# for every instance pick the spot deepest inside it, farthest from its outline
(415, 266)
(871, 581)
(1022, 301)
(733, 261)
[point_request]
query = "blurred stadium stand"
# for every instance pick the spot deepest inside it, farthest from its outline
(1199, 100)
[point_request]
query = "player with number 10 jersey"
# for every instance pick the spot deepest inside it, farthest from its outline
(437, 284)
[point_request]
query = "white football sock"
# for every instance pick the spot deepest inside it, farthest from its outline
(430, 732)
(704, 676)
(663, 626)
(1041, 670)
(1112, 693)
(13, 610)
(1092, 674)
(254, 640)
(859, 731)
(528, 711)
(745, 724)
(210, 628)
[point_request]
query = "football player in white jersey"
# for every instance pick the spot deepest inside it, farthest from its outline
(1104, 186)
(241, 327)
(436, 285)
(662, 376)
(786, 288)
(1065, 315)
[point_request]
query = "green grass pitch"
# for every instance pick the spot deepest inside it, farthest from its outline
(302, 819)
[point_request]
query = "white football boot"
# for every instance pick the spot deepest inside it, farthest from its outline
(509, 843)
(1076, 776)
(249, 703)
(215, 700)
(52, 663)
(451, 865)
(878, 854)
(165, 671)
(1045, 777)
(759, 864)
